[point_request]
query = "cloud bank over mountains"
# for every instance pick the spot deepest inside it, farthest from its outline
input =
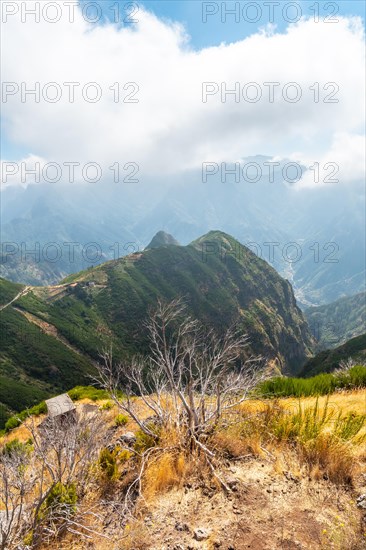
(160, 104)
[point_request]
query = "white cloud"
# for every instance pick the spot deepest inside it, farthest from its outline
(23, 172)
(343, 163)
(170, 129)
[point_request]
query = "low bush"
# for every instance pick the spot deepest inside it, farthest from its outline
(107, 406)
(90, 392)
(143, 442)
(17, 419)
(63, 497)
(322, 384)
(16, 446)
(87, 392)
(108, 464)
(121, 420)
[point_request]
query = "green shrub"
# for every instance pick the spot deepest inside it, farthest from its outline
(17, 419)
(60, 494)
(121, 420)
(108, 464)
(322, 384)
(15, 446)
(13, 422)
(143, 441)
(349, 426)
(87, 392)
(300, 426)
(107, 406)
(41, 408)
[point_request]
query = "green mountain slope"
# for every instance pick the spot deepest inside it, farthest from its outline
(335, 323)
(8, 291)
(222, 281)
(328, 360)
(33, 362)
(53, 334)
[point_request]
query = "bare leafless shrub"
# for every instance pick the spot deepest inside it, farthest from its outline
(64, 449)
(344, 366)
(16, 482)
(41, 486)
(191, 380)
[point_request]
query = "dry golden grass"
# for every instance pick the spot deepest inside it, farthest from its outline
(167, 470)
(135, 537)
(235, 444)
(343, 401)
(328, 434)
(262, 430)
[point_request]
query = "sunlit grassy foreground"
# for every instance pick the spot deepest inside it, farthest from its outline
(314, 438)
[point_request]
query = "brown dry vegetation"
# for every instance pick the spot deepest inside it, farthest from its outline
(294, 476)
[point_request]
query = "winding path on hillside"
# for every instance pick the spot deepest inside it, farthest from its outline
(19, 295)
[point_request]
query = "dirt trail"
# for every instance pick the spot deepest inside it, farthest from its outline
(19, 295)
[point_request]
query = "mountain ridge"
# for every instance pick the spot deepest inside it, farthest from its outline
(327, 262)
(222, 282)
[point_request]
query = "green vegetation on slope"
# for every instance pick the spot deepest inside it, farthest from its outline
(335, 323)
(329, 360)
(162, 239)
(222, 282)
(52, 335)
(33, 364)
(322, 384)
(8, 291)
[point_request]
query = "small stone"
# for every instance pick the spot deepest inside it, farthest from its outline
(232, 483)
(201, 533)
(181, 526)
(361, 501)
(129, 438)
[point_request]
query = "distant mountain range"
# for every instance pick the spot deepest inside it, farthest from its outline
(313, 237)
(51, 336)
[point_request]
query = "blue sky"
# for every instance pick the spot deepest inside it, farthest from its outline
(214, 30)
